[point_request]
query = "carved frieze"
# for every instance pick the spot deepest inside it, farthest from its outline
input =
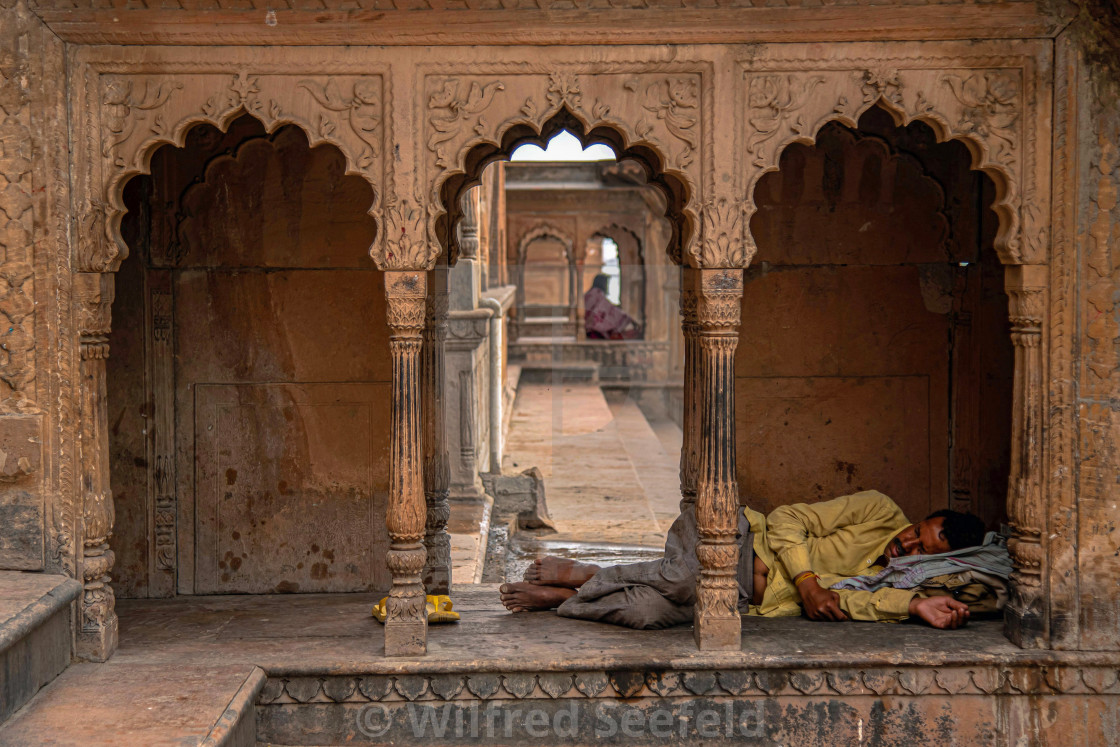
(989, 102)
(139, 111)
(935, 682)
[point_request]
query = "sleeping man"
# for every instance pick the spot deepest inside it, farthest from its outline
(789, 561)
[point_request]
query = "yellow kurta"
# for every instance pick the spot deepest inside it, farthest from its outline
(835, 539)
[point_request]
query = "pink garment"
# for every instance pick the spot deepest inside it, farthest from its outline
(605, 320)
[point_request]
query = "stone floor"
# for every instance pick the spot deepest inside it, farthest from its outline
(610, 477)
(183, 662)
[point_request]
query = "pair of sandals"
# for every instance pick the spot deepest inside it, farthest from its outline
(438, 607)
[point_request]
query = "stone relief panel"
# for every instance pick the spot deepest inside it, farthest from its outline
(17, 216)
(133, 113)
(996, 105)
(652, 112)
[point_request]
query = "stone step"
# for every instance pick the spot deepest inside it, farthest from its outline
(549, 372)
(35, 639)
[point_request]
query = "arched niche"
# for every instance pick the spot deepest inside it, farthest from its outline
(135, 114)
(996, 109)
(988, 105)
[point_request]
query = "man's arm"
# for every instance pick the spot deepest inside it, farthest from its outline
(896, 605)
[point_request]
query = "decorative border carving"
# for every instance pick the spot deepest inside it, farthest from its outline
(904, 681)
(142, 107)
(992, 103)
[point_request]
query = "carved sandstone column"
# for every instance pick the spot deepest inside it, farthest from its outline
(690, 452)
(97, 631)
(437, 470)
(718, 297)
(406, 625)
(1025, 619)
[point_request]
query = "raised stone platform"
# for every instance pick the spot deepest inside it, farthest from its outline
(187, 673)
(34, 633)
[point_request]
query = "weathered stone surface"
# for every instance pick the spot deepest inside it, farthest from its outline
(34, 634)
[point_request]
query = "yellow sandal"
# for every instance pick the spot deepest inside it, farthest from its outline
(438, 607)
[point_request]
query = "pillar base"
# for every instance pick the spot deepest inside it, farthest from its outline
(406, 638)
(718, 634)
(1026, 628)
(99, 643)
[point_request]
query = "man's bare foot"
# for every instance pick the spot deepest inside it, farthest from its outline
(523, 597)
(553, 571)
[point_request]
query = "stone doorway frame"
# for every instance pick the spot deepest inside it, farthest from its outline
(708, 122)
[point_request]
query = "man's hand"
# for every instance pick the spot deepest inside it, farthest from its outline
(820, 604)
(940, 612)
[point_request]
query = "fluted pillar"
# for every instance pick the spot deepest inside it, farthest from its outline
(690, 451)
(718, 297)
(406, 626)
(97, 632)
(1025, 617)
(437, 470)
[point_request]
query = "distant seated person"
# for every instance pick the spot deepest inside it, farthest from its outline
(856, 557)
(602, 319)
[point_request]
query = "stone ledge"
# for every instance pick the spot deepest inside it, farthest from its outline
(237, 726)
(35, 634)
(27, 600)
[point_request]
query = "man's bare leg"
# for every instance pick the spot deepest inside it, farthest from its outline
(527, 597)
(553, 571)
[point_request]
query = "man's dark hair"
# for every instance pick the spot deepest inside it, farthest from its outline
(961, 530)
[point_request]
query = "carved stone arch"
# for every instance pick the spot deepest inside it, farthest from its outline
(649, 112)
(987, 103)
(614, 230)
(139, 113)
(862, 148)
(538, 232)
(544, 231)
(636, 305)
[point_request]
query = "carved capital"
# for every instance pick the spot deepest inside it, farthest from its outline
(719, 302)
(721, 240)
(407, 303)
(406, 239)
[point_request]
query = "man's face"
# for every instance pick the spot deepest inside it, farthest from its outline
(927, 537)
